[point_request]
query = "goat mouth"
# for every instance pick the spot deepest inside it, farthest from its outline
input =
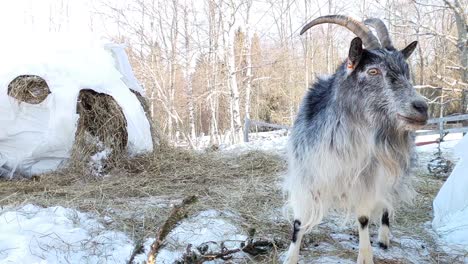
(413, 121)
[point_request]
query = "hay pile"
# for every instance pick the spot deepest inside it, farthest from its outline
(246, 184)
(30, 89)
(102, 127)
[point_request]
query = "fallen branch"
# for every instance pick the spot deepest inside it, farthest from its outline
(251, 247)
(177, 213)
(139, 248)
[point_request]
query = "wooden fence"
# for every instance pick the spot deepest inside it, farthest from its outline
(248, 123)
(442, 127)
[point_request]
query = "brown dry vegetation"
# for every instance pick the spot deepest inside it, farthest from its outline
(246, 184)
(138, 194)
(31, 89)
(102, 120)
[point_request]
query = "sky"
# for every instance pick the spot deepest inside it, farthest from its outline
(18, 17)
(73, 16)
(21, 20)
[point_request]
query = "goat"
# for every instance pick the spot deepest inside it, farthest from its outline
(352, 143)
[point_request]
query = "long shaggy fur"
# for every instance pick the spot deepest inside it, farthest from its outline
(351, 146)
(343, 153)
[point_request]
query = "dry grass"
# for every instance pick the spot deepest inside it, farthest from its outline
(138, 193)
(102, 125)
(245, 184)
(29, 89)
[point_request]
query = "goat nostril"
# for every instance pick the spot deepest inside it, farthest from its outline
(420, 106)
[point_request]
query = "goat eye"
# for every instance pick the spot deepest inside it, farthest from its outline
(373, 71)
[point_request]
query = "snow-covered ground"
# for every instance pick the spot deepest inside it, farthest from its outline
(210, 228)
(32, 234)
(271, 142)
(275, 142)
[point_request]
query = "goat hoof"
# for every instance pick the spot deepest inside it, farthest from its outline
(382, 245)
(365, 258)
(384, 237)
(291, 261)
(362, 261)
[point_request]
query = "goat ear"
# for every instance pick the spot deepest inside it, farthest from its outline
(355, 53)
(409, 49)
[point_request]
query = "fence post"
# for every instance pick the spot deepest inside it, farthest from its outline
(441, 115)
(246, 129)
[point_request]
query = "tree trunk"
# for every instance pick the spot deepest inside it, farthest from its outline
(462, 47)
(188, 78)
(213, 35)
(229, 40)
(231, 64)
(248, 61)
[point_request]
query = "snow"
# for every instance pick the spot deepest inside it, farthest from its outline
(208, 226)
(36, 138)
(276, 142)
(97, 161)
(450, 141)
(451, 204)
(31, 234)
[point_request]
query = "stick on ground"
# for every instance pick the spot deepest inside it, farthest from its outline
(177, 213)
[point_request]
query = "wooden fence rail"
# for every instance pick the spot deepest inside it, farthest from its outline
(448, 118)
(441, 130)
(249, 123)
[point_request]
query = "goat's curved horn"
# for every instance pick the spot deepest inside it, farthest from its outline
(382, 32)
(358, 28)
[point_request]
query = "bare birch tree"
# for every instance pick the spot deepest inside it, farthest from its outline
(188, 71)
(248, 58)
(229, 40)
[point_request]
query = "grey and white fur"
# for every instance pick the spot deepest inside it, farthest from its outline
(351, 146)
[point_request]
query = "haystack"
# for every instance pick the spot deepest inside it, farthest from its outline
(101, 127)
(64, 99)
(29, 88)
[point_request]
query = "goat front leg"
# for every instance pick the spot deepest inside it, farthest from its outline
(292, 256)
(365, 249)
(306, 214)
(384, 230)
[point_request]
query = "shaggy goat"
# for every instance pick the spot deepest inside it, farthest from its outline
(351, 146)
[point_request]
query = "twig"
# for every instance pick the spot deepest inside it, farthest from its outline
(139, 248)
(177, 213)
(253, 248)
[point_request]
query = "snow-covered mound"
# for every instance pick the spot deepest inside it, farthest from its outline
(38, 137)
(451, 204)
(32, 234)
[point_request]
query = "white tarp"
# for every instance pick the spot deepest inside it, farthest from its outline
(38, 138)
(451, 203)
